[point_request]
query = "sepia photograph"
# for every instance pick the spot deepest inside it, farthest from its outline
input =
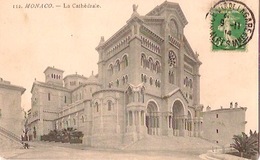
(129, 80)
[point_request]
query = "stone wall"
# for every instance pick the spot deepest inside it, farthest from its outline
(12, 114)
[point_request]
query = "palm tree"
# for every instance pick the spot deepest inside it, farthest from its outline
(253, 143)
(245, 144)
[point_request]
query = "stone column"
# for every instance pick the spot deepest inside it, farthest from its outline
(133, 118)
(192, 128)
(143, 118)
(139, 118)
(183, 126)
(169, 121)
(196, 128)
(101, 116)
(117, 117)
(92, 116)
(128, 121)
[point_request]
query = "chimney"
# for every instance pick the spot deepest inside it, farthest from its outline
(236, 105)
(231, 105)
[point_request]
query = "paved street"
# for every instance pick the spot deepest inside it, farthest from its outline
(51, 150)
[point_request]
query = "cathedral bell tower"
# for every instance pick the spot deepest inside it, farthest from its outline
(54, 76)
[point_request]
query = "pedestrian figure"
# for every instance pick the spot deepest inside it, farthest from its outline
(25, 145)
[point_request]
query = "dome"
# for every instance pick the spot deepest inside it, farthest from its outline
(92, 79)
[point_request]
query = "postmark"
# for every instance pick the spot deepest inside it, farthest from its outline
(232, 25)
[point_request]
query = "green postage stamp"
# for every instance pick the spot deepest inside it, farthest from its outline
(232, 25)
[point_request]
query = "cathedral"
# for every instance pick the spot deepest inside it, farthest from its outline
(148, 83)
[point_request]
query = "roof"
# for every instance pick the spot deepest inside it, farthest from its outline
(75, 75)
(153, 15)
(49, 85)
(12, 87)
(226, 109)
(52, 68)
(174, 92)
(125, 29)
(166, 5)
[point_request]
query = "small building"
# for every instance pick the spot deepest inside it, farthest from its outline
(11, 112)
(220, 125)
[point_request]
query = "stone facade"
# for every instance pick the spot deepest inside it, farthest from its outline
(220, 125)
(148, 83)
(11, 112)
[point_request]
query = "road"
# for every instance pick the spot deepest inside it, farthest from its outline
(52, 150)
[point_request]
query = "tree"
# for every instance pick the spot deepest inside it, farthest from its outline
(245, 144)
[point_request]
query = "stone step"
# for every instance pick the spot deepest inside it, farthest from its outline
(170, 143)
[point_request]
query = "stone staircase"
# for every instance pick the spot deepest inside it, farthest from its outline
(8, 140)
(182, 144)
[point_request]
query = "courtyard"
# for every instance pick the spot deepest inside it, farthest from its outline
(152, 148)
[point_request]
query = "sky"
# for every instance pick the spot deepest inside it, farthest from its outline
(33, 39)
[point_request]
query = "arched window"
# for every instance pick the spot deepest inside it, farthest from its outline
(109, 105)
(173, 27)
(157, 67)
(143, 60)
(142, 77)
(117, 82)
(190, 83)
(96, 106)
(186, 81)
(151, 81)
(51, 75)
(150, 63)
(125, 61)
(82, 119)
(111, 71)
(145, 79)
(172, 59)
(126, 78)
(117, 65)
(123, 79)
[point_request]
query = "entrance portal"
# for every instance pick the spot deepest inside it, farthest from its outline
(152, 119)
(178, 119)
